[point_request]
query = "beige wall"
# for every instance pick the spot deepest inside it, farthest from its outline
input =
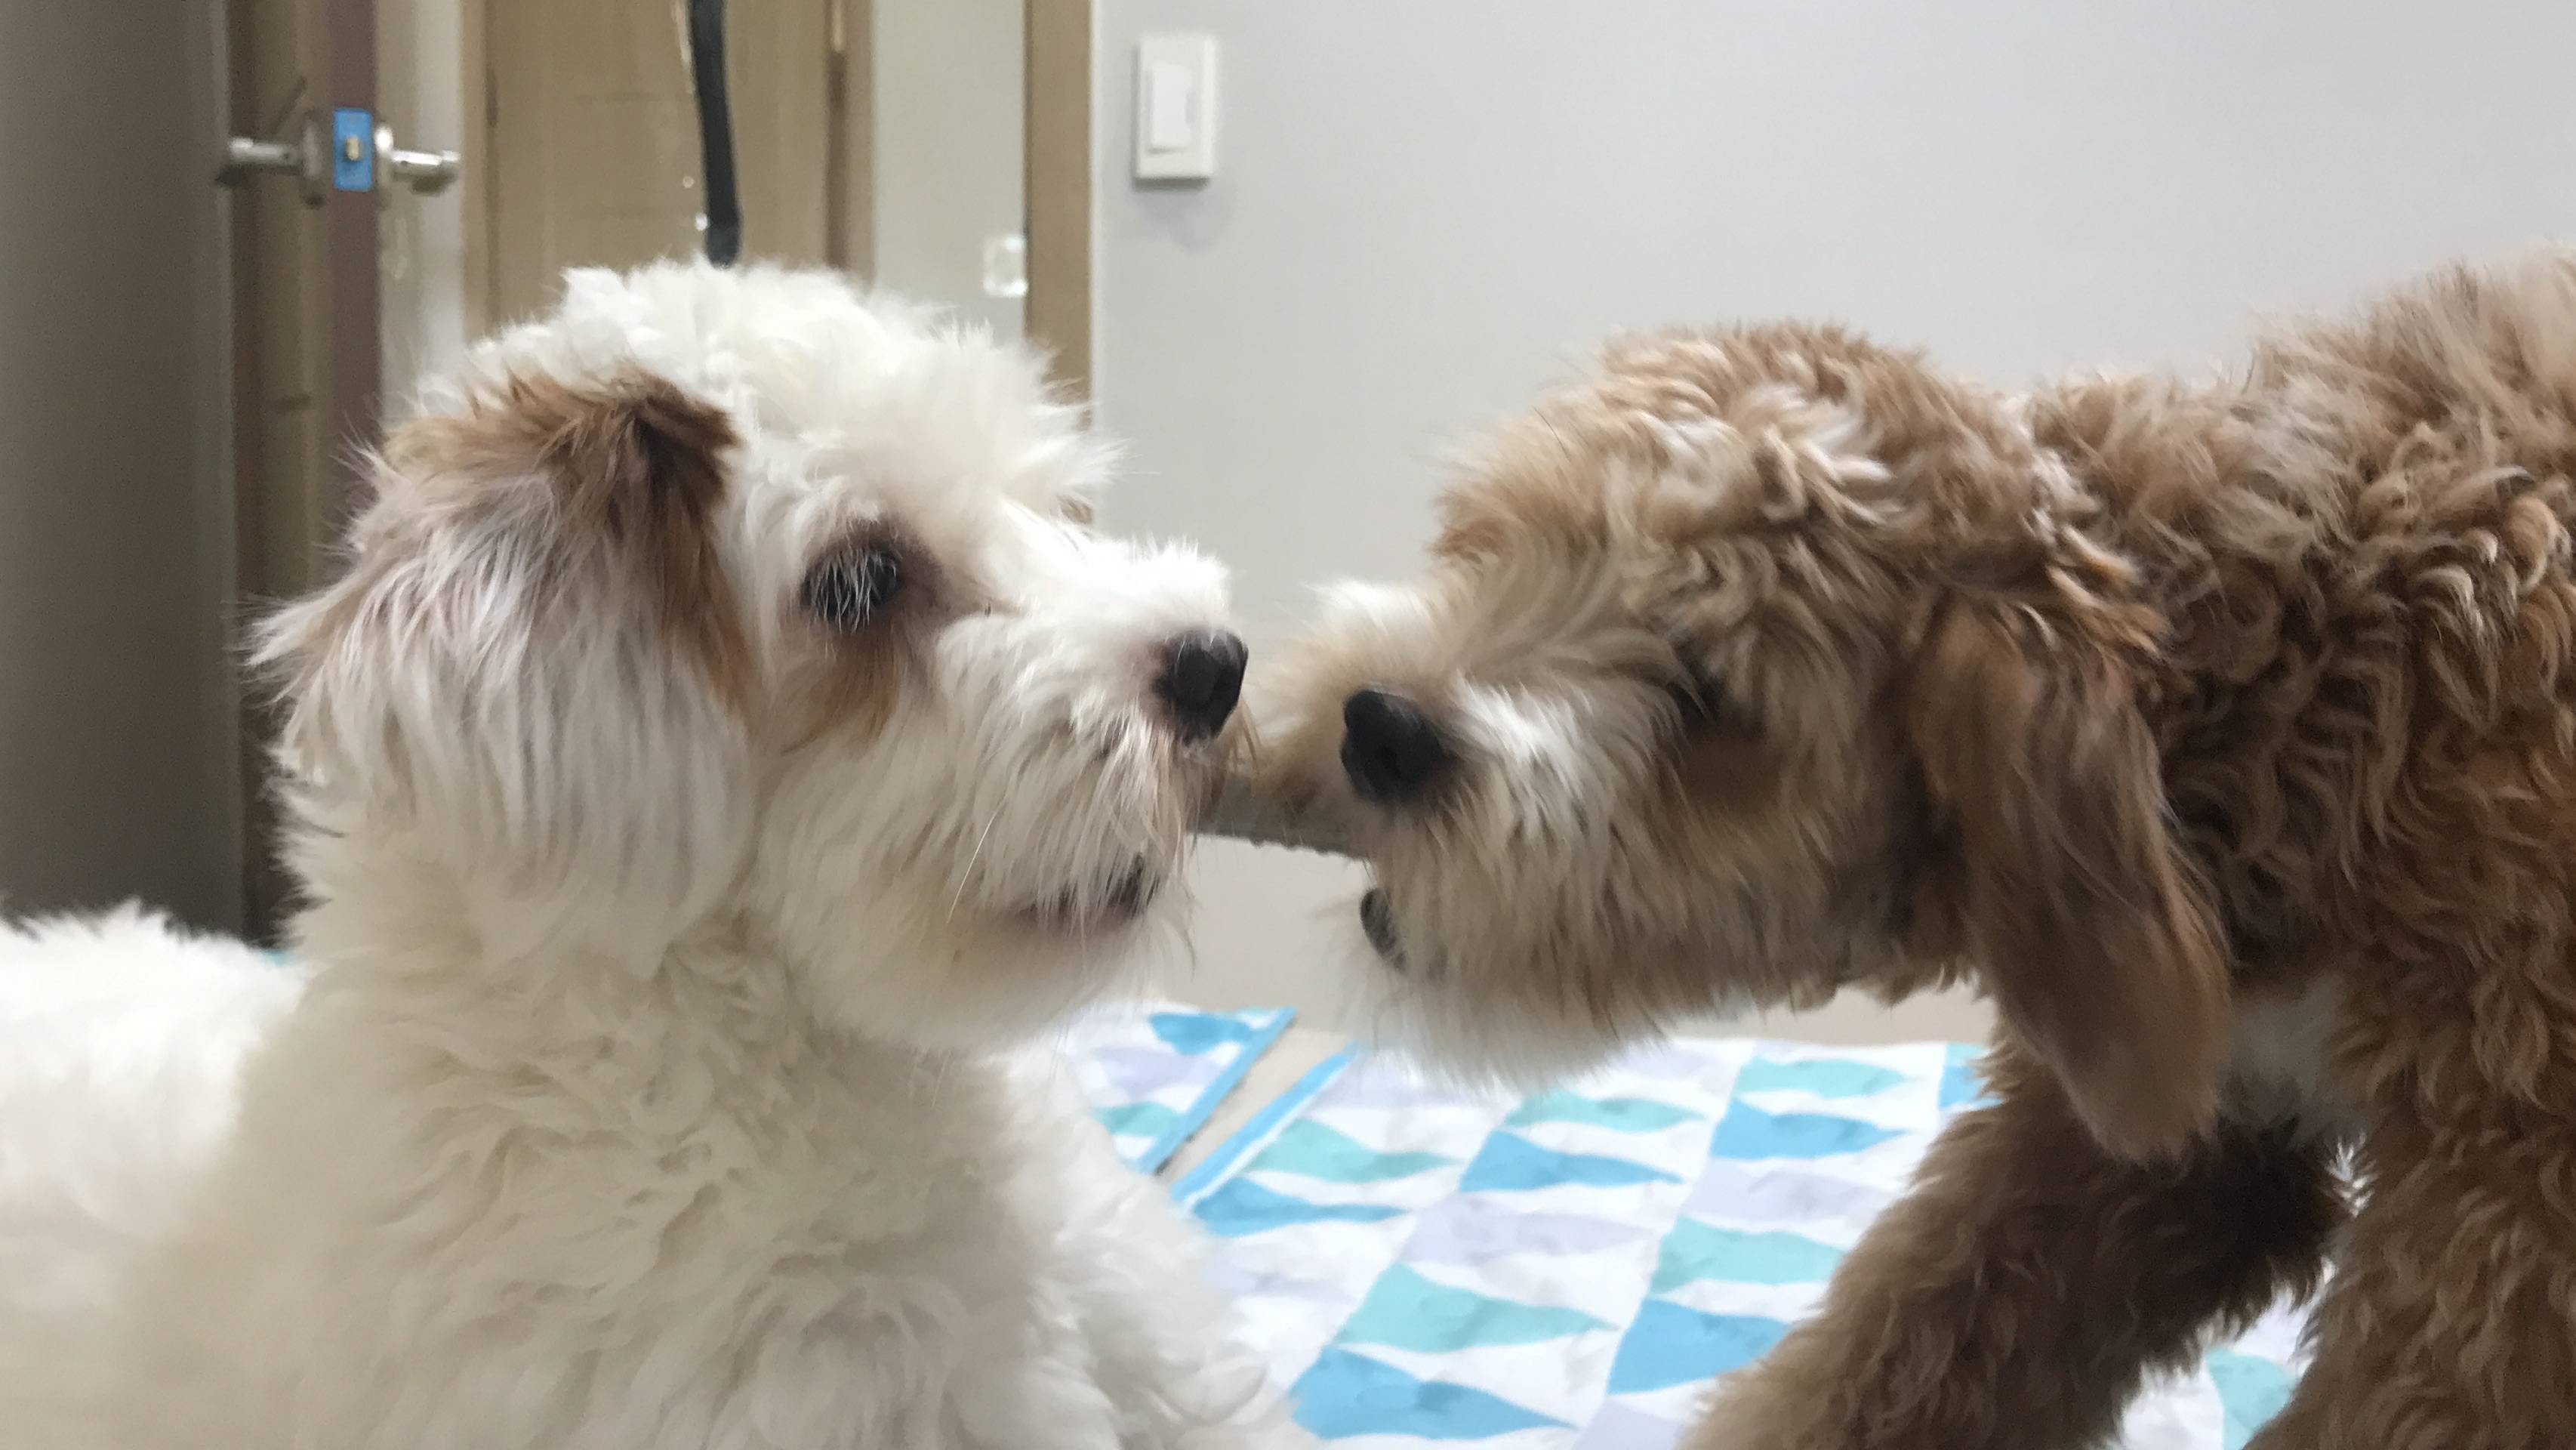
(1424, 209)
(116, 740)
(947, 112)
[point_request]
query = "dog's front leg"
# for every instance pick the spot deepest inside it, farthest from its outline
(1158, 1332)
(2449, 1320)
(2015, 1300)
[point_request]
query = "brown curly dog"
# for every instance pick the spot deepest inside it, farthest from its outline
(2225, 735)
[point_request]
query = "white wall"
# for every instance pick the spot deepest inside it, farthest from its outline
(1425, 208)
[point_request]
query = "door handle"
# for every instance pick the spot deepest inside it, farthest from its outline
(427, 173)
(358, 157)
(303, 158)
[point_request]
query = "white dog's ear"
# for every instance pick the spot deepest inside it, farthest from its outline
(535, 655)
(2100, 949)
(637, 469)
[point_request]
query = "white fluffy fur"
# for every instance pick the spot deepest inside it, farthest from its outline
(655, 1083)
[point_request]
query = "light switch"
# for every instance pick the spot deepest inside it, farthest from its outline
(1175, 108)
(1168, 103)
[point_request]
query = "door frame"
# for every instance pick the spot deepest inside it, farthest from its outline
(1059, 158)
(254, 807)
(481, 109)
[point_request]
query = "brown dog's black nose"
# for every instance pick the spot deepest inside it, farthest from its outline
(1202, 678)
(1390, 749)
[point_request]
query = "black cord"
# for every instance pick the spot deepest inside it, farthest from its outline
(715, 129)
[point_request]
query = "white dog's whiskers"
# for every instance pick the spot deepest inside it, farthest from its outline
(973, 858)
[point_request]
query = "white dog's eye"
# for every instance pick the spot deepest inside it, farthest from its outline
(847, 589)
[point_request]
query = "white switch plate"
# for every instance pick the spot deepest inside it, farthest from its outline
(1175, 107)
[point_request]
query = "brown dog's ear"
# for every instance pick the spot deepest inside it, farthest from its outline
(2100, 949)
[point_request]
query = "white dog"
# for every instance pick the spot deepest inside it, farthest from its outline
(728, 739)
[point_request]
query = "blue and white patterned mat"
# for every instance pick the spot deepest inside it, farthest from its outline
(1571, 1270)
(1153, 1074)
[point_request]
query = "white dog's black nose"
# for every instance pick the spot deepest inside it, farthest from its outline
(1202, 678)
(1390, 749)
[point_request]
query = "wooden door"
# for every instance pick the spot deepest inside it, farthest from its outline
(116, 698)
